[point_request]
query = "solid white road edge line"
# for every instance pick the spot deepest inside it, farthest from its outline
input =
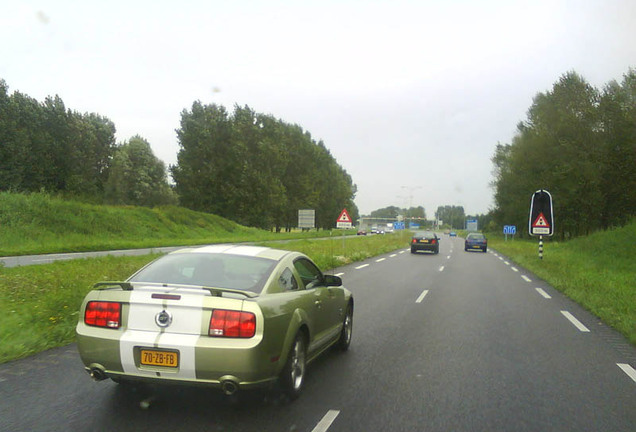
(543, 293)
(362, 266)
(526, 278)
(421, 297)
(628, 370)
(578, 324)
(323, 425)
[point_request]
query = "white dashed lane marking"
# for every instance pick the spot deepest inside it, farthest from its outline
(441, 268)
(380, 260)
(526, 278)
(362, 266)
(628, 370)
(326, 421)
(543, 293)
(578, 324)
(421, 297)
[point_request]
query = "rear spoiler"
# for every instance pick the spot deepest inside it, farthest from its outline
(126, 286)
(217, 292)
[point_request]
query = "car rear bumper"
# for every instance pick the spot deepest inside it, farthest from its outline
(424, 247)
(201, 360)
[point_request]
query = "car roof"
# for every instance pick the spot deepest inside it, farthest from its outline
(244, 250)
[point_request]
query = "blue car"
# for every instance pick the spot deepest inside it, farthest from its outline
(476, 241)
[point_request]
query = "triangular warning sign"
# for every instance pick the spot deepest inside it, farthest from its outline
(344, 216)
(540, 222)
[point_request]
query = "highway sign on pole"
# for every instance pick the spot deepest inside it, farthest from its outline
(344, 220)
(541, 221)
(307, 218)
(510, 229)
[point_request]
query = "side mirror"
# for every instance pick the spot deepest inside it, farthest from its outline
(331, 280)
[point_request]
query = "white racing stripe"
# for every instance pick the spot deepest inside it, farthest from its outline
(184, 335)
(578, 324)
(326, 421)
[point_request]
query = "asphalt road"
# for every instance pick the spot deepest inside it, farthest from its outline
(460, 341)
(26, 260)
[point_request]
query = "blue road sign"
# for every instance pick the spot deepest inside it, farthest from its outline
(510, 229)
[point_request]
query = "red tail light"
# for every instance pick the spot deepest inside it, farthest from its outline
(414, 241)
(229, 323)
(103, 314)
(433, 241)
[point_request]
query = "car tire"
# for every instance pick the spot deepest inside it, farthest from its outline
(293, 375)
(485, 250)
(412, 250)
(347, 330)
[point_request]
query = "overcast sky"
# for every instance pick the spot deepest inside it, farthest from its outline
(410, 97)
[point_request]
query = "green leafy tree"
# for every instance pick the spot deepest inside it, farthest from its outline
(137, 177)
(256, 170)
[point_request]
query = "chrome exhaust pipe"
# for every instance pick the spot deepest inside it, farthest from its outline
(229, 387)
(97, 374)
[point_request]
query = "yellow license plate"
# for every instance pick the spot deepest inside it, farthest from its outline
(423, 241)
(159, 358)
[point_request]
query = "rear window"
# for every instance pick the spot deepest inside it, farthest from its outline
(211, 270)
(424, 234)
(476, 236)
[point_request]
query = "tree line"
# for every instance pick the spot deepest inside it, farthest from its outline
(257, 170)
(248, 167)
(579, 143)
(46, 147)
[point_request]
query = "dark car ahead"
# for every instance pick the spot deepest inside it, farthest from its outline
(476, 241)
(425, 241)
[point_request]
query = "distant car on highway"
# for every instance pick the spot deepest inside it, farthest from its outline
(453, 234)
(362, 232)
(226, 316)
(476, 241)
(425, 241)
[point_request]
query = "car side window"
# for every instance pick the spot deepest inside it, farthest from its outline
(308, 272)
(287, 280)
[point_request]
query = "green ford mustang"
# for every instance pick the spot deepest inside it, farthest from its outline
(233, 317)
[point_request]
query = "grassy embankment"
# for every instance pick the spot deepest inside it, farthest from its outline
(38, 224)
(597, 271)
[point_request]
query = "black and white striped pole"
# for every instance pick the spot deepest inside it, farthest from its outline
(540, 247)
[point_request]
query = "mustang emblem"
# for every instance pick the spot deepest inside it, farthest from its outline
(163, 318)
